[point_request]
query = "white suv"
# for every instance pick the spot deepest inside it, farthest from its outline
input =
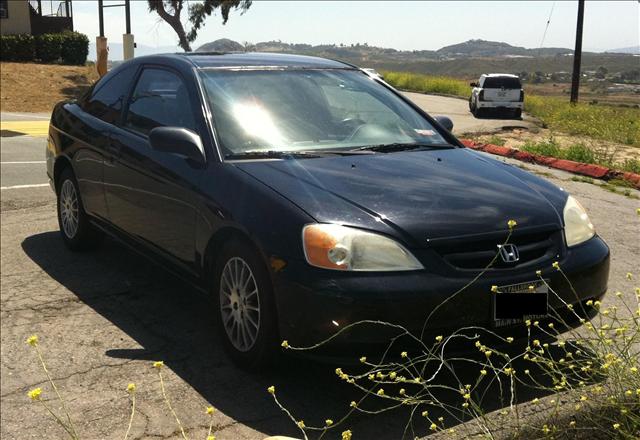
(498, 91)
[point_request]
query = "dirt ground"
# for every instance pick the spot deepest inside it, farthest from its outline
(31, 87)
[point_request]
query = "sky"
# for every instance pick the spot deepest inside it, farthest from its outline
(409, 25)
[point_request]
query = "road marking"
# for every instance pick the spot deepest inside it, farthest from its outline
(27, 115)
(37, 185)
(29, 128)
(20, 162)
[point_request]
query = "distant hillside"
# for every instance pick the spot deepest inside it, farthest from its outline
(221, 45)
(632, 50)
(483, 48)
(464, 60)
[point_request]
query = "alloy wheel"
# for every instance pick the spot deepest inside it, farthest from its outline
(69, 209)
(239, 304)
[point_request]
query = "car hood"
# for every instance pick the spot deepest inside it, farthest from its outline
(420, 195)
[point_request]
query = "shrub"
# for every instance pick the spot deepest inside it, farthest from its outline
(580, 153)
(49, 47)
(75, 48)
(428, 83)
(546, 148)
(17, 47)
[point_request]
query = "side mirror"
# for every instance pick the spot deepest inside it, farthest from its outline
(177, 140)
(473, 84)
(445, 121)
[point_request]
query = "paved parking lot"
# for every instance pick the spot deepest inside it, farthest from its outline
(103, 316)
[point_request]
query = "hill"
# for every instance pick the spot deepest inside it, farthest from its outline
(484, 48)
(463, 60)
(221, 45)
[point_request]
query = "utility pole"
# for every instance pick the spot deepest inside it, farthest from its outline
(577, 55)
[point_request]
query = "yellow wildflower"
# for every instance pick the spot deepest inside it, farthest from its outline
(425, 413)
(512, 224)
(301, 424)
(494, 289)
(433, 427)
(465, 405)
(271, 389)
(353, 404)
(363, 359)
(158, 364)
(488, 353)
(346, 435)
(572, 423)
(328, 422)
(438, 338)
(466, 396)
(402, 392)
(556, 265)
(403, 354)
(483, 372)
(35, 393)
(131, 387)
(285, 344)
(210, 410)
(380, 392)
(629, 276)
(539, 273)
(545, 429)
(32, 340)
(211, 437)
(616, 426)
(509, 339)
(392, 375)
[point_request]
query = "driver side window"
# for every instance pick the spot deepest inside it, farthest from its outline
(160, 99)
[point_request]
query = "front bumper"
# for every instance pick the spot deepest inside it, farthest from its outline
(313, 304)
(501, 104)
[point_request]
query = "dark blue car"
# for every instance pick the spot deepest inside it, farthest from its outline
(304, 195)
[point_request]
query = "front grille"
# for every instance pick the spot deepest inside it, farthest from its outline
(477, 253)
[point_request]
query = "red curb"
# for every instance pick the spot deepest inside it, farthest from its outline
(585, 169)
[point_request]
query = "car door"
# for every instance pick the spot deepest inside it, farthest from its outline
(91, 127)
(151, 195)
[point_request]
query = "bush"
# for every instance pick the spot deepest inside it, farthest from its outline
(75, 48)
(17, 47)
(49, 47)
(71, 47)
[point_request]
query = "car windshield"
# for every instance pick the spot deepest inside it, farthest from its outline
(309, 110)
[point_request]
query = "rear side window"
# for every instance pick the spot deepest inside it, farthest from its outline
(107, 100)
(499, 82)
(160, 99)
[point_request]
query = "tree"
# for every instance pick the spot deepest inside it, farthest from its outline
(601, 73)
(171, 11)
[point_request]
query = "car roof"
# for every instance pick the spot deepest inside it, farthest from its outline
(492, 75)
(204, 60)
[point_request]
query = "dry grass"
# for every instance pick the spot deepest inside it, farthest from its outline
(31, 87)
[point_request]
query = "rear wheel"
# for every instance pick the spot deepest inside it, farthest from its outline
(76, 230)
(244, 299)
(517, 114)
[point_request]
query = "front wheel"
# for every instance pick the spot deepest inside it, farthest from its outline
(246, 312)
(76, 230)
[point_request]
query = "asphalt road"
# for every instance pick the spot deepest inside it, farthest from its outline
(103, 316)
(463, 121)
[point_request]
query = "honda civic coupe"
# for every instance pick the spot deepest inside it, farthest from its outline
(304, 195)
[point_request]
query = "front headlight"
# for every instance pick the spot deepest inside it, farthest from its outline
(577, 226)
(343, 248)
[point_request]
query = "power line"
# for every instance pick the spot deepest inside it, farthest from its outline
(547, 26)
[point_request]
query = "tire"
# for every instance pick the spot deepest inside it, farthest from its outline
(517, 114)
(471, 104)
(75, 228)
(246, 316)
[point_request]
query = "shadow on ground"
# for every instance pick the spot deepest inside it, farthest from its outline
(172, 322)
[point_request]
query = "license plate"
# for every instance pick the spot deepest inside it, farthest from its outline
(515, 303)
(502, 94)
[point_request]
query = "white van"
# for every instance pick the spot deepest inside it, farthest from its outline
(498, 91)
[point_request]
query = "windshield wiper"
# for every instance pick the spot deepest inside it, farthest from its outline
(387, 148)
(281, 154)
(269, 154)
